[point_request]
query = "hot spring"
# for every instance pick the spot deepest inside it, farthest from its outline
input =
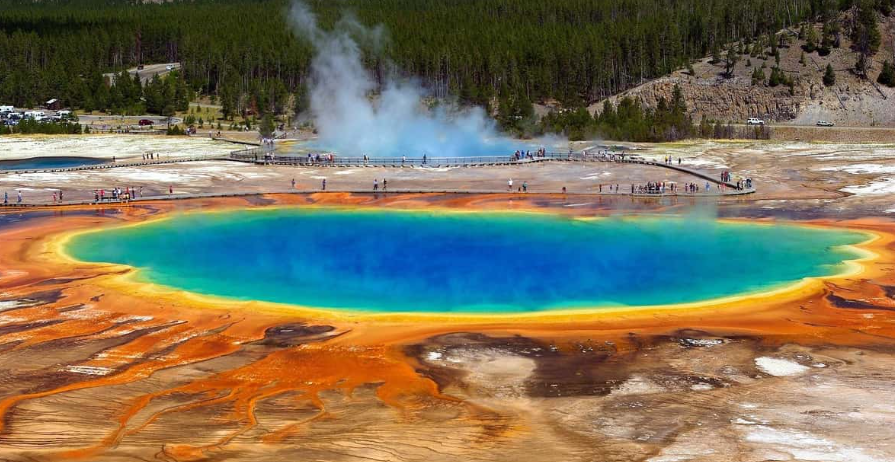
(464, 262)
(40, 163)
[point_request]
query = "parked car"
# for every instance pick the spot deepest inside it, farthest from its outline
(37, 116)
(824, 123)
(144, 122)
(169, 67)
(754, 121)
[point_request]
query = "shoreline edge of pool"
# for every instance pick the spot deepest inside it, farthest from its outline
(124, 278)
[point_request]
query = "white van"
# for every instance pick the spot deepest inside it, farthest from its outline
(36, 115)
(6, 109)
(754, 121)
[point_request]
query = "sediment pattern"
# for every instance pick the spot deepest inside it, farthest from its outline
(96, 367)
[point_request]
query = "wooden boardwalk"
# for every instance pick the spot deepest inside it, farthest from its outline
(265, 157)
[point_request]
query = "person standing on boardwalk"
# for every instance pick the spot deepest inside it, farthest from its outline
(19, 199)
(5, 197)
(293, 183)
(171, 189)
(510, 184)
(324, 184)
(384, 184)
(375, 185)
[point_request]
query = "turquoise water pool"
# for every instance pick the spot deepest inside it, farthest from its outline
(401, 261)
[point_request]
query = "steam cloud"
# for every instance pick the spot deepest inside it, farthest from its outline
(396, 124)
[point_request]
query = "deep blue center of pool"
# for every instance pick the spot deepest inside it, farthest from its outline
(399, 261)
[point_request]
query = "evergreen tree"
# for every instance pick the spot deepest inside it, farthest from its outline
(861, 65)
(758, 76)
(865, 36)
(266, 127)
(829, 76)
(811, 39)
(730, 62)
(887, 75)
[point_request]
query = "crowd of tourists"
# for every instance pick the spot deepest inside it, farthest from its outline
(117, 194)
(528, 155)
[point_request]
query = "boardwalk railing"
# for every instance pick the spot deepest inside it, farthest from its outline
(265, 156)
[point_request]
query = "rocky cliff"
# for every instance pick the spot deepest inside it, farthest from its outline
(851, 101)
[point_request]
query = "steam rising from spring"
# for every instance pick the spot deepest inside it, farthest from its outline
(396, 124)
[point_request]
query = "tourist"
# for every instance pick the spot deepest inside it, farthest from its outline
(141, 191)
(524, 186)
(324, 184)
(54, 197)
(19, 198)
(170, 189)
(375, 185)
(60, 195)
(563, 189)
(384, 184)
(293, 183)
(5, 197)
(510, 184)
(403, 159)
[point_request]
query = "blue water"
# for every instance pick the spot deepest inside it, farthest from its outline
(41, 163)
(399, 261)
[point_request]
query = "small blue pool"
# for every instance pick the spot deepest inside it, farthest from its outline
(43, 163)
